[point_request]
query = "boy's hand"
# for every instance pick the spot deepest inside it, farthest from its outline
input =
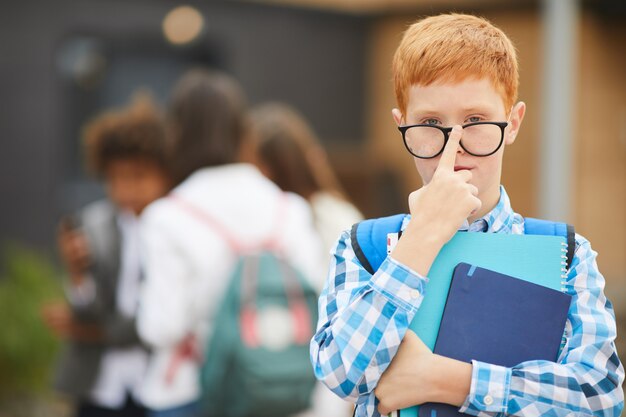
(74, 251)
(417, 376)
(438, 209)
(405, 382)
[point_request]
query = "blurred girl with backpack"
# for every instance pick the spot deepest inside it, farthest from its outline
(188, 263)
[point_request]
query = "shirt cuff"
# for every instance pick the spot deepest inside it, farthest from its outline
(400, 284)
(489, 390)
(83, 294)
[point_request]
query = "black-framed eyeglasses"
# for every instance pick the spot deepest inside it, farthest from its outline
(427, 141)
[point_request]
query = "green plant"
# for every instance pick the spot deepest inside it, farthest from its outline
(27, 348)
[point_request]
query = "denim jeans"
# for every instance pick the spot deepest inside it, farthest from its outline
(187, 410)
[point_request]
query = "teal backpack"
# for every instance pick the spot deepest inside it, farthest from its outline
(256, 361)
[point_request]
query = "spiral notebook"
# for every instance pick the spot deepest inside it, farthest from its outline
(498, 319)
(533, 258)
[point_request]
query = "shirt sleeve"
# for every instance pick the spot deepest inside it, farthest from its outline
(587, 378)
(164, 316)
(362, 320)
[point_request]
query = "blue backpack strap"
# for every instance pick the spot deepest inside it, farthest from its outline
(369, 240)
(369, 237)
(548, 228)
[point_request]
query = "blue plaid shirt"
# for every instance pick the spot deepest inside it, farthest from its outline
(363, 318)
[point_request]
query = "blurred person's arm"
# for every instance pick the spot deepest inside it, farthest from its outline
(112, 330)
(60, 319)
(76, 257)
(85, 319)
(164, 316)
(80, 290)
(86, 268)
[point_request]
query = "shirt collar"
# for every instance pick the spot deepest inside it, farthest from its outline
(499, 220)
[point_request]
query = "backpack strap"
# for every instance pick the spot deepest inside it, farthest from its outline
(369, 240)
(271, 242)
(548, 228)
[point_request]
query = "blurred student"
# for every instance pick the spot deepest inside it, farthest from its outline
(288, 152)
(103, 363)
(188, 259)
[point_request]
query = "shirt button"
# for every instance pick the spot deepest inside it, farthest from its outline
(488, 400)
(415, 294)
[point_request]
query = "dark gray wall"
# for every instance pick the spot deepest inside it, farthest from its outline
(313, 60)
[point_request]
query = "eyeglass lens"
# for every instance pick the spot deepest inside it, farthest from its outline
(427, 141)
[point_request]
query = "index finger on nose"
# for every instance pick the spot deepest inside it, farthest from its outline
(448, 157)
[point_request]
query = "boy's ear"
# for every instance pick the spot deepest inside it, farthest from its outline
(517, 116)
(397, 117)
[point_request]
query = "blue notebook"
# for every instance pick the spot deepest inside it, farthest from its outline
(498, 319)
(533, 258)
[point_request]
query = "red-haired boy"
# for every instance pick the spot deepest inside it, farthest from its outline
(456, 80)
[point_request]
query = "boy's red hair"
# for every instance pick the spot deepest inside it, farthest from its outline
(452, 48)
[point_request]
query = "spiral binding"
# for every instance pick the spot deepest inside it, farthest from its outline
(563, 265)
(563, 289)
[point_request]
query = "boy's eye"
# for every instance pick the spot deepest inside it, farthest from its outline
(431, 122)
(474, 119)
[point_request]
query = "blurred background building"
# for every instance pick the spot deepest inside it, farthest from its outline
(61, 62)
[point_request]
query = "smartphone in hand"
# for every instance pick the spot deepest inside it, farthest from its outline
(73, 246)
